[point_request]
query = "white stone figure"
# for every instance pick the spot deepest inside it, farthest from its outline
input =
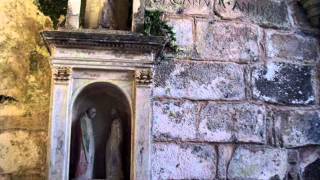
(86, 158)
(109, 14)
(113, 151)
(93, 13)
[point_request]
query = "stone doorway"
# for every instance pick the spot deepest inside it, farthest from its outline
(110, 104)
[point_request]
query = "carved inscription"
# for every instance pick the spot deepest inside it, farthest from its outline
(249, 7)
(266, 12)
(199, 7)
(199, 3)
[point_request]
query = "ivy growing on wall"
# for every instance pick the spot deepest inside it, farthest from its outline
(155, 25)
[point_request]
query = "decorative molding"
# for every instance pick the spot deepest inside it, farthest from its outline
(114, 40)
(144, 77)
(61, 73)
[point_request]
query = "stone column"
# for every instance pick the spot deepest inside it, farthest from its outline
(142, 128)
(57, 151)
(138, 15)
(73, 14)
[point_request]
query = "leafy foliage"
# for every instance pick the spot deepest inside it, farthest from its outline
(55, 9)
(156, 26)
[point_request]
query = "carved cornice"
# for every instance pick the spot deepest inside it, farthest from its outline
(114, 40)
(61, 73)
(144, 77)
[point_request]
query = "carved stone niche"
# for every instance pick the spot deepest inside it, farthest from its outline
(106, 14)
(105, 71)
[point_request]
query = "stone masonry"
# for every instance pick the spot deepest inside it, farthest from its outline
(242, 99)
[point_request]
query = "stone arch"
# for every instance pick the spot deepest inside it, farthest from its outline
(103, 96)
(312, 171)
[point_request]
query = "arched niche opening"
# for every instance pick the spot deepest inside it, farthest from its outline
(110, 105)
(106, 14)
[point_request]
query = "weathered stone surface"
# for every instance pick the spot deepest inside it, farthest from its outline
(22, 123)
(299, 16)
(284, 83)
(174, 120)
(225, 155)
(308, 155)
(270, 13)
(27, 177)
(258, 163)
(312, 172)
(183, 29)
(298, 128)
(232, 123)
(172, 161)
(227, 41)
(21, 151)
(292, 47)
(189, 7)
(199, 80)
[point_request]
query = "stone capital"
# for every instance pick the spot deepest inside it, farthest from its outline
(61, 73)
(144, 76)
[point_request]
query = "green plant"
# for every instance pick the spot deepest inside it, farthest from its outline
(156, 26)
(55, 9)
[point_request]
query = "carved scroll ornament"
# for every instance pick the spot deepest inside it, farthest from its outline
(144, 77)
(61, 73)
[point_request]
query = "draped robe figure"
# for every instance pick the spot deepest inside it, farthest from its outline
(84, 168)
(109, 14)
(113, 154)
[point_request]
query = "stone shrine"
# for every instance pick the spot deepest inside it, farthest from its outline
(101, 95)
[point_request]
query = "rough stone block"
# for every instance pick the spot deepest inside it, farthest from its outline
(270, 13)
(308, 156)
(183, 29)
(190, 7)
(172, 161)
(23, 123)
(258, 163)
(232, 123)
(174, 120)
(21, 151)
(225, 41)
(292, 47)
(284, 83)
(299, 16)
(199, 81)
(225, 155)
(298, 128)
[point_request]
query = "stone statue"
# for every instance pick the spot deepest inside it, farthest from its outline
(113, 149)
(84, 168)
(109, 14)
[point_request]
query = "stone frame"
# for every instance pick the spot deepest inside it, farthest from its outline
(74, 7)
(125, 52)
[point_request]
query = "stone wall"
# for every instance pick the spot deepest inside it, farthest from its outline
(242, 99)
